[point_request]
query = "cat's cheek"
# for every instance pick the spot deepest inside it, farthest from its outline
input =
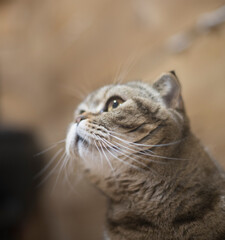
(71, 138)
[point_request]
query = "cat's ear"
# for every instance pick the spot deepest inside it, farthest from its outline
(170, 90)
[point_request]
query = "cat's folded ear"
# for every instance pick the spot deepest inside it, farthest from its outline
(169, 88)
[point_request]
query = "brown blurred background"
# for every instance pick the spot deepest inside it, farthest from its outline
(54, 52)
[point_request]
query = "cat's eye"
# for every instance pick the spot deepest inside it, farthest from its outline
(113, 103)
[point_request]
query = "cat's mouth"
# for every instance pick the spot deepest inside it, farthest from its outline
(81, 139)
(86, 143)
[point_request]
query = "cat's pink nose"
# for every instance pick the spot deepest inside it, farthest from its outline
(80, 118)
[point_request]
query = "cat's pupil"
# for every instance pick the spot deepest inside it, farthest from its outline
(115, 104)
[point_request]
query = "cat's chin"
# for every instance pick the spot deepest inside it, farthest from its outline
(92, 159)
(77, 145)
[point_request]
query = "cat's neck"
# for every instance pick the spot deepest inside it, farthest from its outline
(191, 169)
(180, 196)
(187, 164)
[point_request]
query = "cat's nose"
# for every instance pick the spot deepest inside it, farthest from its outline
(80, 118)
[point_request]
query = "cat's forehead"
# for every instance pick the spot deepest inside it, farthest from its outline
(96, 100)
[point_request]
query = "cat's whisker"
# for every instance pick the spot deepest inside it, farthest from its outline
(120, 160)
(122, 147)
(66, 177)
(92, 155)
(126, 68)
(79, 94)
(146, 145)
(64, 161)
(53, 170)
(129, 157)
(101, 152)
(148, 151)
(98, 151)
(133, 159)
(116, 133)
(127, 142)
(107, 159)
(160, 145)
(141, 153)
(49, 148)
(115, 80)
(84, 139)
(107, 147)
(113, 134)
(152, 154)
(48, 164)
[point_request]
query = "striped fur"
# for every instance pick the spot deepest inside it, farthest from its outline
(159, 181)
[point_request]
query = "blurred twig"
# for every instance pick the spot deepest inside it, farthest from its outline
(205, 23)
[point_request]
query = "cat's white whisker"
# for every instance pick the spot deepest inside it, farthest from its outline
(98, 150)
(64, 161)
(148, 152)
(120, 160)
(66, 177)
(130, 63)
(146, 145)
(49, 148)
(116, 133)
(129, 157)
(107, 159)
(53, 170)
(48, 164)
(84, 139)
(160, 145)
(141, 153)
(115, 80)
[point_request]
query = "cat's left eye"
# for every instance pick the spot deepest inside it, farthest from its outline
(113, 103)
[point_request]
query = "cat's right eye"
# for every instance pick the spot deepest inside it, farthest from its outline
(113, 103)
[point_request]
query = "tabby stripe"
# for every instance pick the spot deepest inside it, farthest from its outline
(128, 126)
(137, 128)
(149, 135)
(132, 223)
(198, 210)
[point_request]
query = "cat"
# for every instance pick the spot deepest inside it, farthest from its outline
(134, 143)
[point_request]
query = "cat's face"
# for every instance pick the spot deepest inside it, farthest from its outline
(118, 126)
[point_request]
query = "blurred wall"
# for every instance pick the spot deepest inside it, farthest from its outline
(51, 52)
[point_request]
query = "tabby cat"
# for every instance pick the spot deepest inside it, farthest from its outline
(133, 142)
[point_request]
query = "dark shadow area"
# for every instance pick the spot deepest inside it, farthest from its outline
(18, 188)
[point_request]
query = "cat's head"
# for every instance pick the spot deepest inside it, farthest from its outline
(128, 125)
